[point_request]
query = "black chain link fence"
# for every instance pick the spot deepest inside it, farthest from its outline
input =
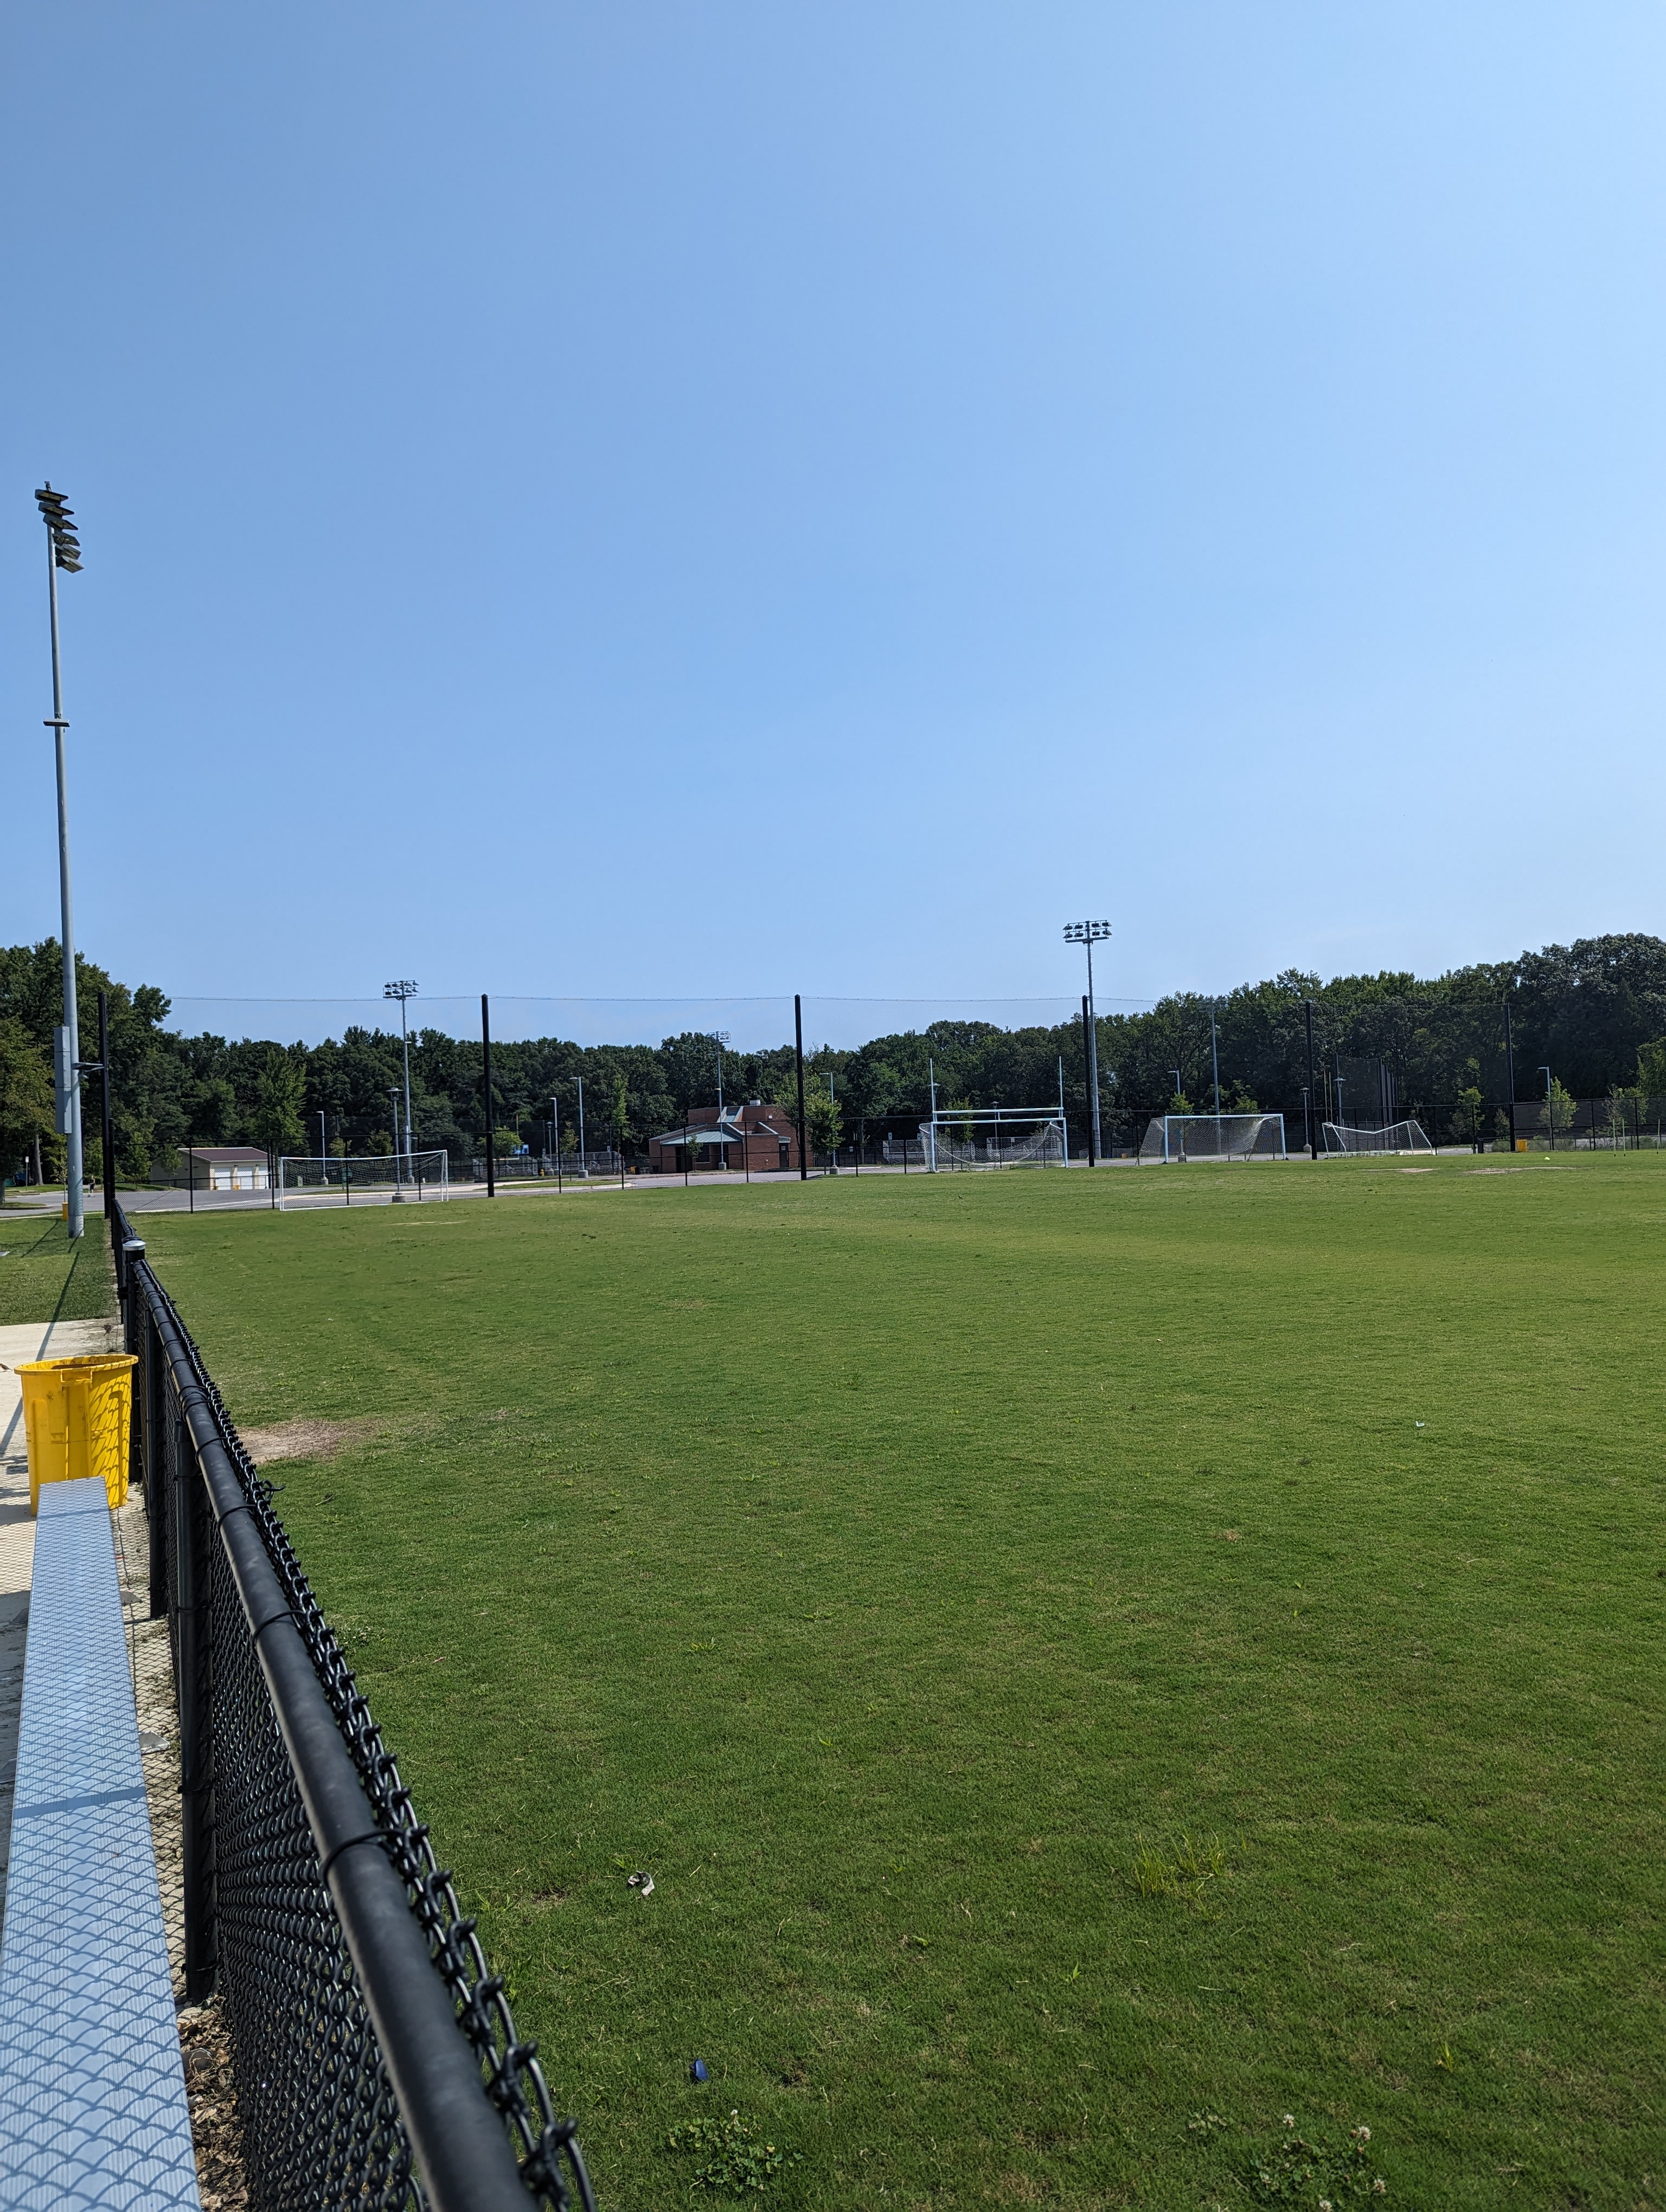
(331, 1999)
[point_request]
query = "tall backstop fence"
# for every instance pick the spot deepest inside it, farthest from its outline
(374, 2056)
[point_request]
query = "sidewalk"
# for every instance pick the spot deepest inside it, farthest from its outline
(22, 1340)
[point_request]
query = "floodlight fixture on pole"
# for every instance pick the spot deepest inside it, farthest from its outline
(403, 992)
(63, 551)
(1088, 934)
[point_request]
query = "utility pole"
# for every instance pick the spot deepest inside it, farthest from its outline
(63, 551)
(1088, 934)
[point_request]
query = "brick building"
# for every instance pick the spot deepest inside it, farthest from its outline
(753, 1138)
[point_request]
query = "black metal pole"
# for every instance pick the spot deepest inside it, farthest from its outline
(486, 1067)
(107, 1146)
(1509, 1070)
(1312, 1094)
(797, 1062)
(190, 1178)
(1087, 1064)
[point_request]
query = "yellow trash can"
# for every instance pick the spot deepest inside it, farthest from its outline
(75, 1413)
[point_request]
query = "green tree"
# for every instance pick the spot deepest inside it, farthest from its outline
(1556, 1115)
(26, 1095)
(1465, 1122)
(1651, 1069)
(278, 1093)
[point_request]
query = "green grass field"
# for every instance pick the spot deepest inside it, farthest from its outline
(43, 1277)
(1092, 1663)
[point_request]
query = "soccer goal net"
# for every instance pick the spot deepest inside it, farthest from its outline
(1393, 1137)
(990, 1137)
(1214, 1137)
(380, 1176)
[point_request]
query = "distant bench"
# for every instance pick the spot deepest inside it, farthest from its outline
(93, 2107)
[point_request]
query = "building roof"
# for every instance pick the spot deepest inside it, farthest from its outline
(226, 1154)
(729, 1131)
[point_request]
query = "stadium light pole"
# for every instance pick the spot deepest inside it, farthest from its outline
(63, 551)
(720, 1038)
(1510, 1064)
(1550, 1107)
(1088, 934)
(1214, 1063)
(1311, 1095)
(403, 992)
(398, 1176)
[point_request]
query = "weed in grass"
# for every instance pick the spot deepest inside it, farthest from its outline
(1182, 1871)
(1317, 2171)
(735, 2160)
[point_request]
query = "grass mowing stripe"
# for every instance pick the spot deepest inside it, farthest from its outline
(898, 1568)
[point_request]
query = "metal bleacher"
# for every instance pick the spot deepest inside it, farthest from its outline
(93, 2108)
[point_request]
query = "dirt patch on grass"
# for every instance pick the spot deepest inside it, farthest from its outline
(305, 1438)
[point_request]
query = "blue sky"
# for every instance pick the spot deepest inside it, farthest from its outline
(656, 499)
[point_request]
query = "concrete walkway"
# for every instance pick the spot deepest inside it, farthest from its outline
(62, 1340)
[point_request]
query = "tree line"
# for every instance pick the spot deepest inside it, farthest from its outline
(1594, 1012)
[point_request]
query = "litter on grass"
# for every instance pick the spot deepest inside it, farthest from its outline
(641, 1883)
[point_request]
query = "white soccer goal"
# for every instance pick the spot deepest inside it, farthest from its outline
(1394, 1137)
(994, 1137)
(1214, 1137)
(304, 1179)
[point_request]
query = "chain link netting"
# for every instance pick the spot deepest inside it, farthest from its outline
(321, 2125)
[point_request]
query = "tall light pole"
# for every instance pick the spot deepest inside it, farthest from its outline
(402, 992)
(1088, 934)
(63, 551)
(1550, 1107)
(720, 1038)
(398, 1176)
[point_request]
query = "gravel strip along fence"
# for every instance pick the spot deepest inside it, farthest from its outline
(205, 2051)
